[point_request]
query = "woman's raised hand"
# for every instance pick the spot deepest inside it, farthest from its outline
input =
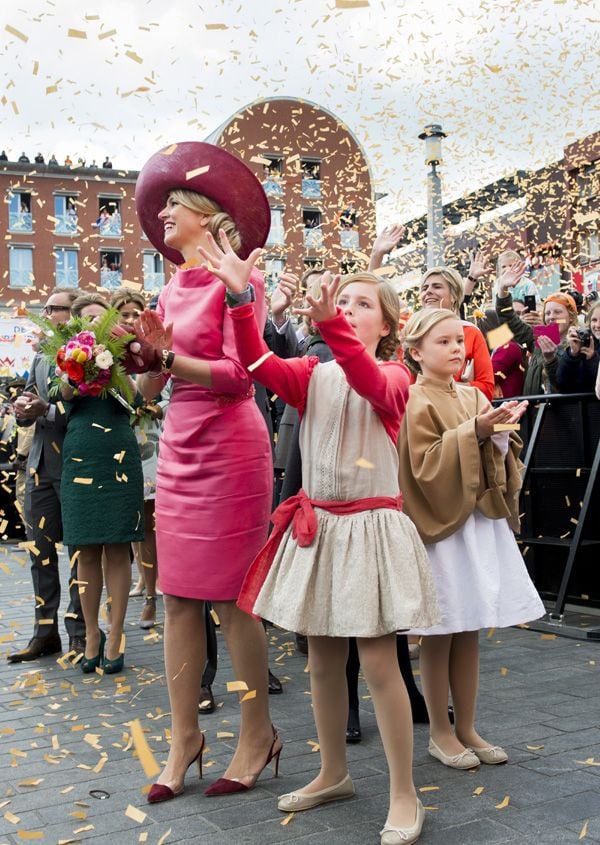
(226, 265)
(323, 308)
(150, 330)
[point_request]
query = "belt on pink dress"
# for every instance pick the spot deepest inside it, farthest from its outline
(224, 400)
(299, 510)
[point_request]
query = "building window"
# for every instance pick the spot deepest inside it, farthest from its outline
(108, 222)
(154, 272)
(349, 238)
(588, 181)
(589, 247)
(110, 269)
(311, 178)
(276, 235)
(274, 267)
(313, 235)
(19, 212)
(65, 268)
(21, 266)
(65, 214)
(272, 176)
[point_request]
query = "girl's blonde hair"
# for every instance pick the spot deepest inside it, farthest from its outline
(588, 319)
(123, 296)
(418, 326)
(508, 253)
(390, 308)
(454, 281)
(219, 219)
(87, 299)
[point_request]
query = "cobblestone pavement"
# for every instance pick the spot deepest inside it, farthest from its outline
(63, 734)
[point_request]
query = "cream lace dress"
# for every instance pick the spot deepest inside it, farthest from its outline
(365, 574)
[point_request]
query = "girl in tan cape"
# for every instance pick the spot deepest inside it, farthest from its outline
(460, 477)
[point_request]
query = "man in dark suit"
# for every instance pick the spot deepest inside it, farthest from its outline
(42, 502)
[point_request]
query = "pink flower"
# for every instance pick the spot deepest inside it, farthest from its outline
(85, 339)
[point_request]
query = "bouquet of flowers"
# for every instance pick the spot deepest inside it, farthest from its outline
(87, 355)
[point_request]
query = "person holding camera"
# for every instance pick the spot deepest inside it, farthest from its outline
(578, 364)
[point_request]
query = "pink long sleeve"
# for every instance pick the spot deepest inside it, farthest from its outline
(288, 378)
(384, 385)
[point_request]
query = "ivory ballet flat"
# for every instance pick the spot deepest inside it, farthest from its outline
(293, 802)
(404, 835)
(467, 759)
(492, 755)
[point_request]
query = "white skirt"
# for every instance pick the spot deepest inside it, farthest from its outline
(481, 580)
(364, 575)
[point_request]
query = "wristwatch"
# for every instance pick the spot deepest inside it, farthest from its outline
(244, 297)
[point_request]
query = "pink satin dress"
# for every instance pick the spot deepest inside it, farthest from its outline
(215, 477)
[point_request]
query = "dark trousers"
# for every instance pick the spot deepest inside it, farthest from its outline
(44, 529)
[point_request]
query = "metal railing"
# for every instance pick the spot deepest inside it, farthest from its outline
(349, 238)
(20, 221)
(311, 188)
(66, 224)
(110, 279)
(154, 281)
(313, 237)
(67, 278)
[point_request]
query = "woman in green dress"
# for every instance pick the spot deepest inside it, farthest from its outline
(102, 506)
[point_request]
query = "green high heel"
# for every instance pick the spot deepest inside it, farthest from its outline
(111, 667)
(90, 664)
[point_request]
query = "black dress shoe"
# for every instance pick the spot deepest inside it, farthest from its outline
(77, 644)
(275, 687)
(353, 731)
(38, 647)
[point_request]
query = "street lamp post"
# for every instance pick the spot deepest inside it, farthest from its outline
(432, 135)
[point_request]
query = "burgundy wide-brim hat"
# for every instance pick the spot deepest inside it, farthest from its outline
(208, 170)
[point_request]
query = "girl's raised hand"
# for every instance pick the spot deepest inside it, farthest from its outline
(323, 308)
(226, 265)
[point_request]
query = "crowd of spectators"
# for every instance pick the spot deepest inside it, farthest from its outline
(53, 161)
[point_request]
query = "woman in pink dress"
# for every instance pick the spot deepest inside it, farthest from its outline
(214, 480)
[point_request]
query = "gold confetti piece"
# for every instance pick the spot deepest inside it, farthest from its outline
(30, 834)
(83, 481)
(145, 755)
(67, 789)
(503, 671)
(428, 788)
(122, 644)
(351, 4)
(51, 89)
(191, 174)
(164, 837)
(266, 162)
(169, 150)
(584, 830)
(504, 803)
(494, 68)
(499, 337)
(7, 731)
(134, 56)
(31, 782)
(174, 678)
(224, 735)
(214, 616)
(535, 747)
(236, 686)
(287, 819)
(548, 637)
(249, 695)
(314, 746)
(107, 34)
(135, 814)
(260, 361)
(507, 427)
(76, 33)
(11, 818)
(217, 26)
(478, 790)
(589, 762)
(363, 463)
(16, 32)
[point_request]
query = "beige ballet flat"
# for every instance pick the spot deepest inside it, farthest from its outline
(293, 802)
(492, 755)
(404, 835)
(467, 759)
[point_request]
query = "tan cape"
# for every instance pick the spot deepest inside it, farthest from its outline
(445, 472)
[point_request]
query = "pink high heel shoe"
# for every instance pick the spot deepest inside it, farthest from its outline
(228, 786)
(161, 792)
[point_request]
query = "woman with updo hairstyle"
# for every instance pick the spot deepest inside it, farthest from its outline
(215, 478)
(147, 428)
(442, 287)
(102, 505)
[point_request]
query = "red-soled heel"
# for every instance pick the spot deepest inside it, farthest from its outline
(161, 792)
(227, 786)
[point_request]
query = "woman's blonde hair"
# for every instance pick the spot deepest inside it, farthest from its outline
(219, 219)
(87, 299)
(588, 319)
(390, 308)
(454, 281)
(418, 326)
(508, 253)
(123, 296)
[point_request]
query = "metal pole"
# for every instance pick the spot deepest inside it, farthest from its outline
(435, 219)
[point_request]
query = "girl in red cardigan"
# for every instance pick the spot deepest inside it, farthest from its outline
(343, 560)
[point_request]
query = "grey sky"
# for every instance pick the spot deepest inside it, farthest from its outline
(511, 82)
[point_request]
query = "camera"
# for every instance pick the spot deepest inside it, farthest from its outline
(585, 336)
